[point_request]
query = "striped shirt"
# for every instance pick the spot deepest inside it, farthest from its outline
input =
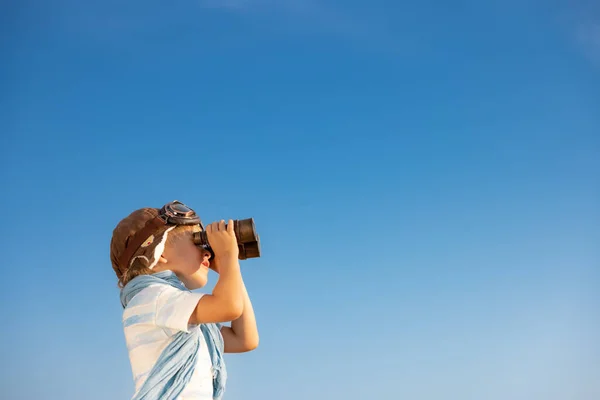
(150, 320)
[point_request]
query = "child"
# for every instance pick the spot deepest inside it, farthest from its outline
(175, 337)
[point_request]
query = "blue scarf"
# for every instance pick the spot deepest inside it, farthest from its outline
(175, 366)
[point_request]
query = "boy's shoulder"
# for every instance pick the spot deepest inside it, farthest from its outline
(148, 294)
(163, 306)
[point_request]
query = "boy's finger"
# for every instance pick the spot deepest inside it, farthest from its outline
(230, 226)
(222, 225)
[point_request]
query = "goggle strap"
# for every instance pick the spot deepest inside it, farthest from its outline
(137, 240)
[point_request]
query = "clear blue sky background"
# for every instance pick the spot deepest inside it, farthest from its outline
(424, 178)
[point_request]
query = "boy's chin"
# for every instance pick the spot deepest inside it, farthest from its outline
(197, 279)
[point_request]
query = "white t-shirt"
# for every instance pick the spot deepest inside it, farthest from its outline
(150, 320)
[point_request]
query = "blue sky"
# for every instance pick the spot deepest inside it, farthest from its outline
(424, 178)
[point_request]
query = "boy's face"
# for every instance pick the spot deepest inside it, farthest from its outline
(188, 261)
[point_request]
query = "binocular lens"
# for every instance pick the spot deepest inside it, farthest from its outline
(249, 250)
(245, 233)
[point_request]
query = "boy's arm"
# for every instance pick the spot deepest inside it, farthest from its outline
(243, 334)
(225, 303)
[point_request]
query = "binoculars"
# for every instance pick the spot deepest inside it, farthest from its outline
(245, 233)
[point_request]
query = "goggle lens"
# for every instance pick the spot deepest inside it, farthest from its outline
(181, 208)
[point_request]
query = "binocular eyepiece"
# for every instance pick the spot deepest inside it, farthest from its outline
(245, 233)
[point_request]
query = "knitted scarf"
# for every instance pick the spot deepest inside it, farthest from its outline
(175, 366)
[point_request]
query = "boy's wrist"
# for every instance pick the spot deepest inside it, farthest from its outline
(218, 262)
(226, 257)
(227, 261)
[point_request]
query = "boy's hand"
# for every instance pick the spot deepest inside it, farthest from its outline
(222, 240)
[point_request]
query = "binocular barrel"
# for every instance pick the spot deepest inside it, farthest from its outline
(245, 233)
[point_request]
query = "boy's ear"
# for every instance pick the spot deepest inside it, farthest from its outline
(162, 259)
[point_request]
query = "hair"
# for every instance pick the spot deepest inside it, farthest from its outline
(124, 232)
